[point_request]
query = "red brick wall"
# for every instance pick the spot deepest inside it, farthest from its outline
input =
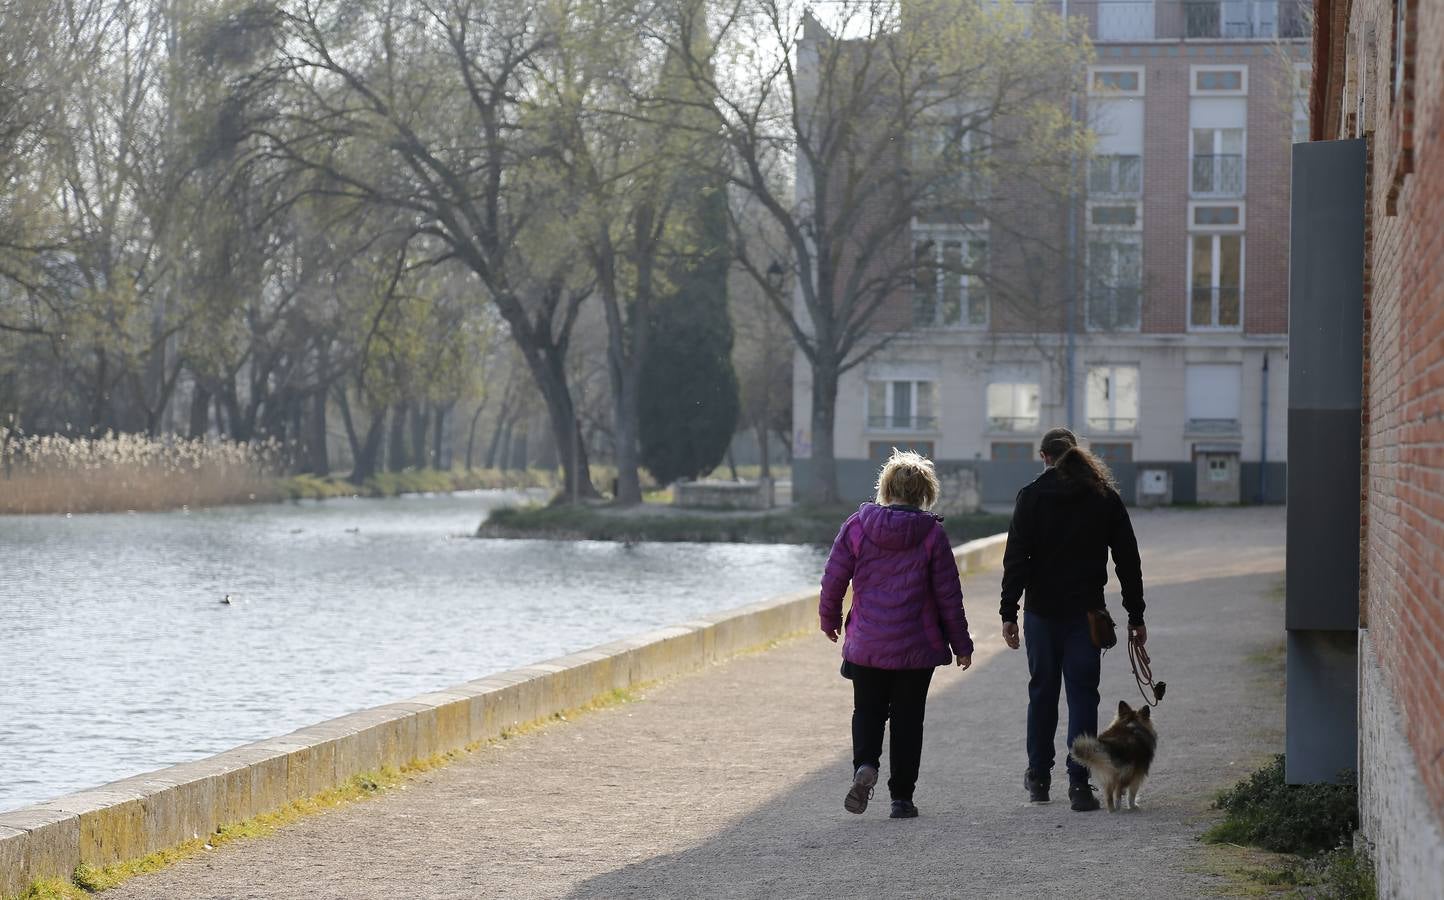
(1404, 419)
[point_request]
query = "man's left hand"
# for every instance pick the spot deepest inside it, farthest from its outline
(1139, 635)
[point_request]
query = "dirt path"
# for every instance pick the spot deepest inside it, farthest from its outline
(730, 783)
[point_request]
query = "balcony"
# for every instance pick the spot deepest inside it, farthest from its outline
(1215, 307)
(1112, 425)
(1217, 175)
(1113, 307)
(902, 423)
(1122, 21)
(1115, 176)
(1013, 423)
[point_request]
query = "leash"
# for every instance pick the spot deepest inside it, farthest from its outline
(1143, 673)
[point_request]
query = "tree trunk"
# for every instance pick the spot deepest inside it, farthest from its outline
(319, 455)
(764, 448)
(420, 417)
(396, 446)
(823, 486)
(200, 424)
(351, 437)
(507, 448)
(732, 463)
(368, 457)
(548, 369)
(471, 433)
(440, 452)
(496, 433)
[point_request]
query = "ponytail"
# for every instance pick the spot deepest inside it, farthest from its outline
(1077, 464)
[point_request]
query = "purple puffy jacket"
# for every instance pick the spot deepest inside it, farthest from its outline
(907, 599)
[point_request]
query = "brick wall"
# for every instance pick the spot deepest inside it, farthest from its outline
(1403, 509)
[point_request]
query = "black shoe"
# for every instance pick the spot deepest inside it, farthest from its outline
(861, 792)
(1082, 797)
(903, 809)
(1036, 787)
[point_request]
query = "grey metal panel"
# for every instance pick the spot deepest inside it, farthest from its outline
(1274, 488)
(1326, 272)
(1322, 575)
(1321, 730)
(1326, 275)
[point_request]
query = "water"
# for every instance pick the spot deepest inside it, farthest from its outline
(117, 656)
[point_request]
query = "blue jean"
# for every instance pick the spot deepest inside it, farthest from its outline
(1060, 653)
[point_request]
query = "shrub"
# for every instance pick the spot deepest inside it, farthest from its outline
(1264, 811)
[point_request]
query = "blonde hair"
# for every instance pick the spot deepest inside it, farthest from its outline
(907, 478)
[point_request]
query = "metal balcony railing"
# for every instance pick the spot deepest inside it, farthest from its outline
(1218, 175)
(1013, 423)
(1215, 307)
(1116, 424)
(1113, 307)
(1213, 426)
(1116, 176)
(1118, 21)
(902, 423)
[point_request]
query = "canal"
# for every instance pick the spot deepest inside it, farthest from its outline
(118, 656)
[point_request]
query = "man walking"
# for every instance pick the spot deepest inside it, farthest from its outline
(1064, 525)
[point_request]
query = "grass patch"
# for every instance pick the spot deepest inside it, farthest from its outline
(788, 525)
(412, 481)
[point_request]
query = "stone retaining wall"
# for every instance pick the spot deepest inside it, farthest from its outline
(137, 816)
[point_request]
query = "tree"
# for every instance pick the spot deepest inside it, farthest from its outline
(689, 389)
(891, 110)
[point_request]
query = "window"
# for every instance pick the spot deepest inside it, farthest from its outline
(1113, 216)
(1127, 80)
(1013, 401)
(1214, 215)
(1301, 103)
(1219, 80)
(902, 405)
(1112, 454)
(1011, 451)
(1211, 396)
(1112, 398)
(1401, 24)
(1125, 20)
(948, 288)
(1115, 280)
(1216, 281)
(1117, 167)
(948, 163)
(1231, 19)
(1218, 162)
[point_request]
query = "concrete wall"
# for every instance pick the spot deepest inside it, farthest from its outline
(137, 816)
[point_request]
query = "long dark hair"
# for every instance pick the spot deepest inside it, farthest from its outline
(1076, 464)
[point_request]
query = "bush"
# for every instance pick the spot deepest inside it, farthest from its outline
(1263, 811)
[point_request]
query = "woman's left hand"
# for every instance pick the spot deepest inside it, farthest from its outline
(965, 662)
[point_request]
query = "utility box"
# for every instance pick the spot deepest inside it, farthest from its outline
(1155, 487)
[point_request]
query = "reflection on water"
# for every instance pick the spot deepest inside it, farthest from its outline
(117, 655)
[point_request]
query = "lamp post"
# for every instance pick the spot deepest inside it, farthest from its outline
(776, 279)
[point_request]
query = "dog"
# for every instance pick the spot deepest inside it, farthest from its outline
(1119, 757)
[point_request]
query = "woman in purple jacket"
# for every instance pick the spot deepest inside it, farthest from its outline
(907, 610)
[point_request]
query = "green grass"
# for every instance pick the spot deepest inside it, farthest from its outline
(789, 525)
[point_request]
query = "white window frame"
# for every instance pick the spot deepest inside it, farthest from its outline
(999, 377)
(1207, 204)
(939, 234)
(1242, 157)
(888, 396)
(1103, 232)
(1215, 233)
(1303, 73)
(1195, 91)
(1138, 413)
(1094, 91)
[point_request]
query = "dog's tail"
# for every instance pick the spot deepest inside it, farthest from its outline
(1090, 751)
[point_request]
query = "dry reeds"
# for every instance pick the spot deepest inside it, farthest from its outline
(120, 472)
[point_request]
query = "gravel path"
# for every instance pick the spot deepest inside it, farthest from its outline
(730, 783)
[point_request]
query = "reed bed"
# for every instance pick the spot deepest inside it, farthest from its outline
(121, 472)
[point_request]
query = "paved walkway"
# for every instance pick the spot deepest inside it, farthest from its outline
(730, 783)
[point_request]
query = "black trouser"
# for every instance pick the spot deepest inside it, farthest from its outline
(900, 695)
(1060, 654)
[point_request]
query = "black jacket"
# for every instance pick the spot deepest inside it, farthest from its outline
(1058, 545)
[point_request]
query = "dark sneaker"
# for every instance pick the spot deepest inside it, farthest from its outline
(1036, 787)
(903, 809)
(863, 781)
(1082, 797)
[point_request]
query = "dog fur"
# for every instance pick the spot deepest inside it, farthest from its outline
(1119, 758)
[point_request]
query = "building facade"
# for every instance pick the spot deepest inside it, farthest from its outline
(1174, 282)
(1379, 76)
